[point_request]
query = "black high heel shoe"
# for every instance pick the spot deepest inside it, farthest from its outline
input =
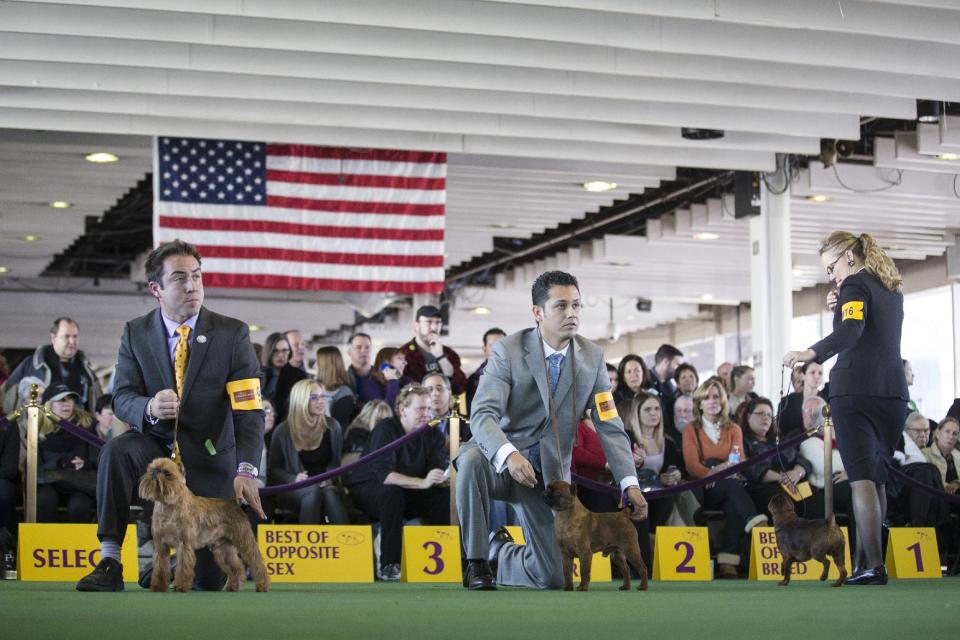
(877, 575)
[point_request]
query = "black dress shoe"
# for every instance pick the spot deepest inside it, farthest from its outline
(877, 575)
(108, 576)
(499, 537)
(479, 577)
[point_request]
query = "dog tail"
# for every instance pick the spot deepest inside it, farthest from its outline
(832, 521)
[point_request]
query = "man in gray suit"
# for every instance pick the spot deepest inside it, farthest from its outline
(517, 447)
(216, 418)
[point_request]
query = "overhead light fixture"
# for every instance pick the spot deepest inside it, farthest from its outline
(4, 269)
(480, 311)
(819, 198)
(705, 235)
(101, 157)
(928, 111)
(60, 204)
(502, 225)
(693, 133)
(598, 186)
(619, 263)
(797, 273)
(30, 238)
(255, 327)
(707, 297)
(947, 156)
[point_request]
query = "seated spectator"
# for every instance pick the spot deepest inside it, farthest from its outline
(943, 454)
(66, 465)
(656, 456)
(812, 450)
(687, 379)
(307, 444)
(358, 433)
(358, 350)
(682, 415)
(796, 379)
(786, 469)
(723, 372)
(743, 381)
(708, 442)
(386, 377)
(791, 408)
(9, 484)
(441, 402)
(332, 376)
(269, 422)
(108, 425)
(917, 508)
(613, 376)
(406, 483)
(490, 338)
(633, 378)
(277, 375)
(426, 352)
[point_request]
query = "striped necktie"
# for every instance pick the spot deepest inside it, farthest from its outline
(555, 360)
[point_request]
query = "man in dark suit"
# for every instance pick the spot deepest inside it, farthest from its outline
(187, 381)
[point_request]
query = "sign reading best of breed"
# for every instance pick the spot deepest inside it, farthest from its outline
(309, 553)
(600, 570)
(431, 554)
(912, 553)
(766, 562)
(67, 552)
(682, 553)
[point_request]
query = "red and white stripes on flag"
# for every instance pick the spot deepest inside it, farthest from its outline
(281, 216)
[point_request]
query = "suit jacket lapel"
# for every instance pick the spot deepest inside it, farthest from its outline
(534, 362)
(198, 350)
(160, 348)
(566, 374)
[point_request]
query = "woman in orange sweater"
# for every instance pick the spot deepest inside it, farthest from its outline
(708, 442)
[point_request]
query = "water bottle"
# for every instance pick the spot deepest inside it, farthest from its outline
(734, 457)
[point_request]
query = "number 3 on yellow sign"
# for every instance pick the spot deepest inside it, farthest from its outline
(431, 554)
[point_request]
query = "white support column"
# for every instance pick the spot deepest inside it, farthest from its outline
(955, 293)
(771, 300)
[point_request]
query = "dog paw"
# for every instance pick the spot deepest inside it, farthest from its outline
(643, 587)
(624, 588)
(568, 588)
(583, 587)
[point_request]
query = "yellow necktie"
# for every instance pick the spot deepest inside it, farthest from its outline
(180, 357)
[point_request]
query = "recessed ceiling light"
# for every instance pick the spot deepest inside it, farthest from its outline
(502, 225)
(101, 157)
(619, 263)
(599, 185)
(60, 204)
(705, 235)
(707, 296)
(480, 311)
(30, 238)
(255, 327)
(797, 272)
(4, 269)
(818, 197)
(947, 156)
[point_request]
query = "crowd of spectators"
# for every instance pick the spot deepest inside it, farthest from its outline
(322, 411)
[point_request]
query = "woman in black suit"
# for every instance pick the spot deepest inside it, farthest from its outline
(868, 389)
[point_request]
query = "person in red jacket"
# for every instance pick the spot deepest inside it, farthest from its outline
(426, 353)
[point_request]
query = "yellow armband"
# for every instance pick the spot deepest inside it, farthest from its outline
(245, 394)
(852, 310)
(606, 408)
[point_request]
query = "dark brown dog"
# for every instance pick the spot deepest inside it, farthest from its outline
(185, 522)
(580, 533)
(800, 539)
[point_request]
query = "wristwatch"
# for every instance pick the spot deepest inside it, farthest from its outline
(247, 468)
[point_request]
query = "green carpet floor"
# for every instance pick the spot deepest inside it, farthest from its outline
(738, 610)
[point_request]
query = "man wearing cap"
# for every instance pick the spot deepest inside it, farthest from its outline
(187, 383)
(61, 361)
(426, 354)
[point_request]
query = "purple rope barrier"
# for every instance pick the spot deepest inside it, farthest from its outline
(919, 486)
(333, 473)
(694, 484)
(81, 433)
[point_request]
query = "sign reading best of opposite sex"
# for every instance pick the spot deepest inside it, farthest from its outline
(766, 563)
(431, 554)
(912, 553)
(600, 570)
(310, 553)
(67, 552)
(681, 553)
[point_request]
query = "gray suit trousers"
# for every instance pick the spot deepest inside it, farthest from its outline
(535, 564)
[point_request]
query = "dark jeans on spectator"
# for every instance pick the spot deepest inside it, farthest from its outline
(391, 504)
(315, 502)
(731, 497)
(8, 506)
(79, 505)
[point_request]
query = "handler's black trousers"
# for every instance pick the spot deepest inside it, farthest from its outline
(391, 504)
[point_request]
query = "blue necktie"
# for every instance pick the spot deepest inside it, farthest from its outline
(555, 360)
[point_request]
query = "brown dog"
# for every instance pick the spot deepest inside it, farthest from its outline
(185, 522)
(800, 539)
(580, 533)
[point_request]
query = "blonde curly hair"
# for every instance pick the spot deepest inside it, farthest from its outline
(867, 251)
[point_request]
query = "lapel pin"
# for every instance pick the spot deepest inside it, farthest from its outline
(201, 339)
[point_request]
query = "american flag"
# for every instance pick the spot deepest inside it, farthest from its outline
(287, 216)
